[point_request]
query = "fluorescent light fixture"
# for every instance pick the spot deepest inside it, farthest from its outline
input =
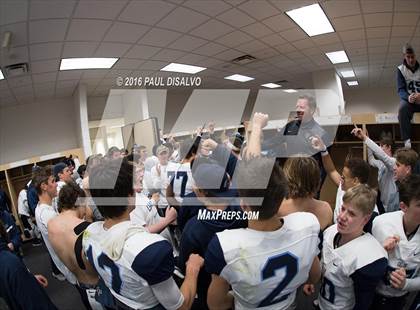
(181, 68)
(1, 75)
(337, 57)
(347, 74)
(239, 78)
(352, 83)
(87, 63)
(290, 90)
(311, 19)
(271, 85)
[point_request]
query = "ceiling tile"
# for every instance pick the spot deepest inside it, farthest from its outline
(212, 30)
(379, 32)
(99, 9)
(294, 34)
(153, 65)
(70, 75)
(13, 12)
(47, 30)
(402, 31)
(347, 23)
(328, 38)
(209, 7)
(45, 66)
(168, 55)
(378, 42)
(192, 59)
(377, 6)
(378, 19)
(16, 82)
(44, 77)
(20, 34)
(187, 43)
(407, 6)
(159, 37)
(45, 51)
(355, 44)
(257, 30)
(149, 12)
(95, 74)
(335, 9)
(228, 55)
(79, 49)
(142, 51)
(128, 64)
(331, 47)
(172, 21)
(15, 55)
(210, 49)
(125, 32)
(405, 19)
(273, 40)
(251, 47)
(312, 51)
(118, 72)
(87, 30)
(107, 49)
(258, 9)
(285, 48)
(234, 39)
(51, 9)
(236, 18)
(305, 43)
(279, 23)
(350, 35)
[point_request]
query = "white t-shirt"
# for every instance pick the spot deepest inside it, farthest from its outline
(43, 214)
(23, 207)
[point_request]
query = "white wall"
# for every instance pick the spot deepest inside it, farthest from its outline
(371, 100)
(104, 107)
(38, 128)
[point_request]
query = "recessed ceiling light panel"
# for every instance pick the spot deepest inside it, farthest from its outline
(311, 19)
(337, 57)
(87, 63)
(181, 68)
(271, 85)
(239, 78)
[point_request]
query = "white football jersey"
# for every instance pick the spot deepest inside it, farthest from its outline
(266, 268)
(180, 177)
(337, 290)
(406, 254)
(146, 260)
(412, 79)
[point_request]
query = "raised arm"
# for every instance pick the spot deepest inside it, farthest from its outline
(259, 121)
(329, 166)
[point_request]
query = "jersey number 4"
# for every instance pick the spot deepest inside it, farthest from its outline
(274, 263)
(414, 86)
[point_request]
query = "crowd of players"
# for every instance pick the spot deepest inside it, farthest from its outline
(132, 231)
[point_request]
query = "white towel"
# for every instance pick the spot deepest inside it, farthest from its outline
(117, 235)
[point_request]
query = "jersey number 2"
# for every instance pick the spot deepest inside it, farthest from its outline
(274, 263)
(105, 261)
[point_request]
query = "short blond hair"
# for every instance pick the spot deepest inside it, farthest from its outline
(362, 197)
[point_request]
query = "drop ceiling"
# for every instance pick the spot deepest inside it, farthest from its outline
(148, 35)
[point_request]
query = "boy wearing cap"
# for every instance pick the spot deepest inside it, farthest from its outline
(158, 173)
(212, 189)
(408, 81)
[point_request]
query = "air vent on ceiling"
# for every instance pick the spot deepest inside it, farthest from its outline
(16, 69)
(243, 60)
(281, 82)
